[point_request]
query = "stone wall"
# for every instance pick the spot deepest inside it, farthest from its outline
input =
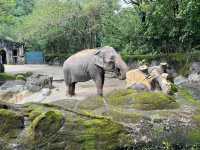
(12, 57)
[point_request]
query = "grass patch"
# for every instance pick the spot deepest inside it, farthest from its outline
(7, 76)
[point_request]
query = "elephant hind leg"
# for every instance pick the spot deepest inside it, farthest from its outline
(71, 89)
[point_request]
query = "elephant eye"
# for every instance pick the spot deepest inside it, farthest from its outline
(112, 58)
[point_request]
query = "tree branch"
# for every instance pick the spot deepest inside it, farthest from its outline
(132, 2)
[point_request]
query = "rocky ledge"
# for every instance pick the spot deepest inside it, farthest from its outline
(121, 120)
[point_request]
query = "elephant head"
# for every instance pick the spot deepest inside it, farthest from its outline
(108, 59)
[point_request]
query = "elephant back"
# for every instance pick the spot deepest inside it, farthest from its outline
(83, 53)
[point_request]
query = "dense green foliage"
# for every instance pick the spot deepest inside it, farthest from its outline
(66, 26)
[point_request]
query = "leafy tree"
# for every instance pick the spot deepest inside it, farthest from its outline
(60, 26)
(6, 17)
(66, 26)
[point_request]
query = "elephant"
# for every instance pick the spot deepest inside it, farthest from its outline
(91, 64)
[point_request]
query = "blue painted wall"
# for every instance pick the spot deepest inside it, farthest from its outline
(34, 57)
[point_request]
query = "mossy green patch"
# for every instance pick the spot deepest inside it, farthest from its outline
(33, 110)
(120, 97)
(97, 134)
(196, 118)
(142, 100)
(194, 136)
(10, 123)
(6, 76)
(120, 115)
(174, 89)
(46, 125)
(20, 77)
(91, 103)
(153, 101)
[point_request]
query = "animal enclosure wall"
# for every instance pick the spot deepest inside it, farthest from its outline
(34, 57)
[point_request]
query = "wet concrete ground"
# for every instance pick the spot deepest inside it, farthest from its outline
(83, 89)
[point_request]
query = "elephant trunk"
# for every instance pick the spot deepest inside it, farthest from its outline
(121, 68)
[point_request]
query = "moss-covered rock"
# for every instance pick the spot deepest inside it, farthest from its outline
(10, 123)
(46, 125)
(34, 110)
(142, 100)
(25, 75)
(20, 77)
(122, 119)
(96, 134)
(121, 115)
(153, 101)
(91, 103)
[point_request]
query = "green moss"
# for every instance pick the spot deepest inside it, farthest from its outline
(197, 119)
(35, 112)
(95, 133)
(121, 115)
(174, 89)
(10, 123)
(152, 101)
(100, 134)
(20, 77)
(46, 125)
(120, 97)
(141, 100)
(26, 74)
(6, 76)
(194, 136)
(91, 103)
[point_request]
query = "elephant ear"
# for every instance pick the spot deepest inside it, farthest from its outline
(99, 59)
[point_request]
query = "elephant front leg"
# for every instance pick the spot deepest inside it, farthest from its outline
(99, 85)
(99, 89)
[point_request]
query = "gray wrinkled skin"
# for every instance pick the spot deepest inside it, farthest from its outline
(92, 64)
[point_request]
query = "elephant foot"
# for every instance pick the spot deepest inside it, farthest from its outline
(100, 94)
(70, 94)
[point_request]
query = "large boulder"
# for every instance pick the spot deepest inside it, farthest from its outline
(46, 124)
(195, 67)
(36, 82)
(11, 123)
(13, 86)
